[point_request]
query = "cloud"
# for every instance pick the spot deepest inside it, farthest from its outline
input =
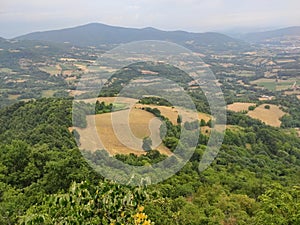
(194, 15)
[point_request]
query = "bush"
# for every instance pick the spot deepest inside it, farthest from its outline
(251, 108)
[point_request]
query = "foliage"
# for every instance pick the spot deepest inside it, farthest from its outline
(105, 203)
(253, 180)
(151, 157)
(154, 101)
(147, 144)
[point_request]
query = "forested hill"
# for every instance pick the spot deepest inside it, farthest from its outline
(254, 179)
(97, 34)
(280, 33)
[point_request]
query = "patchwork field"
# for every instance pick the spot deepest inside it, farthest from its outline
(114, 134)
(298, 131)
(245, 73)
(269, 116)
(13, 97)
(120, 140)
(52, 70)
(273, 84)
(6, 70)
(48, 93)
(239, 106)
(169, 112)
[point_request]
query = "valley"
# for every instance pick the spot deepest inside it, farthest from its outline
(122, 154)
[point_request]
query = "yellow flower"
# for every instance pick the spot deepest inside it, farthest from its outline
(141, 208)
(147, 222)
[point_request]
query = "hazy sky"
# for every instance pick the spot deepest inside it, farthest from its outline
(23, 16)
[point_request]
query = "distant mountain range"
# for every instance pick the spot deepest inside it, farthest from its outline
(101, 35)
(2, 40)
(280, 33)
(97, 34)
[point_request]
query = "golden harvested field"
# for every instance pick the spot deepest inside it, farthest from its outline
(75, 92)
(239, 106)
(269, 116)
(48, 93)
(52, 70)
(266, 98)
(286, 61)
(296, 92)
(119, 141)
(82, 67)
(172, 113)
(129, 101)
(298, 131)
(6, 70)
(68, 72)
(142, 124)
(13, 97)
(169, 112)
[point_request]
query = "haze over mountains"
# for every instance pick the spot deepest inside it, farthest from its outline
(96, 34)
(280, 33)
(99, 35)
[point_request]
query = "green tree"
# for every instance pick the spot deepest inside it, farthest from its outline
(106, 203)
(179, 119)
(280, 206)
(147, 143)
(202, 123)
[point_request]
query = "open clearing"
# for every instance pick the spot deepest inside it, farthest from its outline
(13, 97)
(269, 116)
(240, 106)
(298, 131)
(6, 70)
(273, 84)
(245, 73)
(120, 141)
(142, 124)
(48, 93)
(52, 70)
(169, 112)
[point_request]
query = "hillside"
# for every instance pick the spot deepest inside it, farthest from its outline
(252, 180)
(280, 33)
(96, 34)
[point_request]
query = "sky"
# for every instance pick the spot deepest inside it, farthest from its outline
(19, 17)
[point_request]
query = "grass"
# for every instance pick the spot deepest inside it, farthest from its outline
(52, 70)
(13, 97)
(139, 124)
(268, 85)
(119, 106)
(272, 85)
(6, 70)
(240, 106)
(67, 67)
(245, 73)
(48, 93)
(269, 116)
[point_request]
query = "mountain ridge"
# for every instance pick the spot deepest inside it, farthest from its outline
(97, 34)
(277, 33)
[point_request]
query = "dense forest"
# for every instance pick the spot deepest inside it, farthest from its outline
(44, 178)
